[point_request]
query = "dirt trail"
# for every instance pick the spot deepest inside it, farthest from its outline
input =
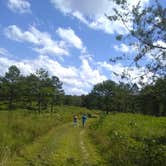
(83, 148)
(64, 145)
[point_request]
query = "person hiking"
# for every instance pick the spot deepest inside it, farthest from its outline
(84, 118)
(75, 119)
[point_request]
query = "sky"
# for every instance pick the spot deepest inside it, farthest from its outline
(70, 39)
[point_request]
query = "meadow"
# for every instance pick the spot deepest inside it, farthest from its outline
(116, 139)
(131, 139)
(20, 128)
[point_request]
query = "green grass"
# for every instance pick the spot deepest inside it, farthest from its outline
(28, 138)
(131, 140)
(20, 128)
(47, 139)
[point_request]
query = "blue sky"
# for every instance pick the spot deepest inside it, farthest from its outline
(70, 39)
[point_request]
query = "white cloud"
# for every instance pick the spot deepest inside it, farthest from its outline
(134, 73)
(69, 36)
(5, 53)
(76, 91)
(43, 42)
(75, 80)
(155, 55)
(19, 6)
(92, 13)
(4, 64)
(15, 33)
(124, 48)
(102, 23)
(160, 44)
(92, 76)
(80, 17)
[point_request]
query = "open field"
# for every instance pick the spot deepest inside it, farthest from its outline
(23, 131)
(51, 139)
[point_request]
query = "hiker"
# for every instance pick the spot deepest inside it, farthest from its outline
(84, 118)
(75, 119)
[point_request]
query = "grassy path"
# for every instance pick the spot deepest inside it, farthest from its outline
(63, 146)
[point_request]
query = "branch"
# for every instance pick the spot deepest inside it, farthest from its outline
(138, 38)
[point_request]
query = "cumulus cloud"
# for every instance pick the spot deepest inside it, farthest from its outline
(19, 6)
(76, 81)
(69, 36)
(43, 42)
(92, 13)
(134, 73)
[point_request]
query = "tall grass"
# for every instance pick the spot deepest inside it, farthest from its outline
(21, 127)
(131, 140)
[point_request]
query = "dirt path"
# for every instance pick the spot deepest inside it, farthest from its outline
(62, 146)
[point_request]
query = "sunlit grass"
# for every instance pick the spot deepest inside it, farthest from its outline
(131, 139)
(19, 128)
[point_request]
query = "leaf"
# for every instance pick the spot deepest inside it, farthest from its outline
(119, 37)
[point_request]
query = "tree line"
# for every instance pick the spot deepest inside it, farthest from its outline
(35, 91)
(38, 91)
(112, 97)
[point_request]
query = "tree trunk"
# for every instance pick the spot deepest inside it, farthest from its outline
(52, 107)
(10, 101)
(39, 106)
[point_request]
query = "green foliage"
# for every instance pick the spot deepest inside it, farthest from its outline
(146, 29)
(119, 37)
(39, 88)
(109, 96)
(10, 88)
(152, 98)
(131, 140)
(73, 100)
(112, 97)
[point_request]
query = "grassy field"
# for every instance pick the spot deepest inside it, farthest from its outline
(34, 139)
(20, 128)
(131, 139)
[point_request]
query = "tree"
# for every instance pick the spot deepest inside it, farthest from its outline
(103, 95)
(11, 84)
(42, 88)
(152, 99)
(110, 96)
(48, 90)
(160, 93)
(73, 100)
(56, 92)
(1, 89)
(30, 90)
(123, 97)
(38, 88)
(146, 28)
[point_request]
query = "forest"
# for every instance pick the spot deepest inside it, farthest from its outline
(38, 91)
